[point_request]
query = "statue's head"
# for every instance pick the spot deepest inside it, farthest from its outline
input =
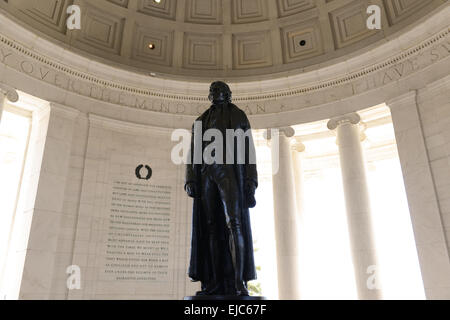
(219, 92)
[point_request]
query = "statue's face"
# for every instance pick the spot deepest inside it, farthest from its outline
(219, 92)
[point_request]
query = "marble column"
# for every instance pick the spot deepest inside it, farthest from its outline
(357, 201)
(297, 149)
(7, 93)
(285, 212)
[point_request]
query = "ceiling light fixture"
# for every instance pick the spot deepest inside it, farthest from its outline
(151, 46)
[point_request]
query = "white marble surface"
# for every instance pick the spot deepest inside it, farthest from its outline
(423, 200)
(114, 149)
(357, 201)
(286, 218)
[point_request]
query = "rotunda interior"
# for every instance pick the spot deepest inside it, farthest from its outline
(349, 105)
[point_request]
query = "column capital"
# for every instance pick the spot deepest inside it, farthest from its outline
(297, 144)
(288, 132)
(352, 118)
(9, 92)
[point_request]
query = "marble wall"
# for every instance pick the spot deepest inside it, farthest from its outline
(104, 153)
(421, 144)
(434, 110)
(83, 203)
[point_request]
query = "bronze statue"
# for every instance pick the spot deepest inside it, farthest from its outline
(222, 248)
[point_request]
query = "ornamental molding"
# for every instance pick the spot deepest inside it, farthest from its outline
(348, 78)
(9, 92)
(32, 63)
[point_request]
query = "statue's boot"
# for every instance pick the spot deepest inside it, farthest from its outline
(237, 248)
(214, 286)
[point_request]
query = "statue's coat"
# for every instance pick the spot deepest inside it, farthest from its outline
(200, 262)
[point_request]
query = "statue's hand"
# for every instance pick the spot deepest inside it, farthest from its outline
(250, 188)
(191, 189)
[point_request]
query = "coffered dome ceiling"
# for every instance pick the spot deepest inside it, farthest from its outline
(229, 39)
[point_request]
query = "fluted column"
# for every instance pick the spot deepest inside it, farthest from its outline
(285, 212)
(7, 93)
(357, 202)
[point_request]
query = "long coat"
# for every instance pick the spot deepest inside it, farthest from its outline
(199, 268)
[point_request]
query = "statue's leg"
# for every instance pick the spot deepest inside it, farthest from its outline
(210, 199)
(229, 194)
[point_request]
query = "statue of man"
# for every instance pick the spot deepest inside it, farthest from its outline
(222, 248)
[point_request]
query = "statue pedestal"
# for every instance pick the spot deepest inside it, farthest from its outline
(222, 298)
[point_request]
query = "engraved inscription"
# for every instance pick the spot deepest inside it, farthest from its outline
(392, 70)
(138, 234)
